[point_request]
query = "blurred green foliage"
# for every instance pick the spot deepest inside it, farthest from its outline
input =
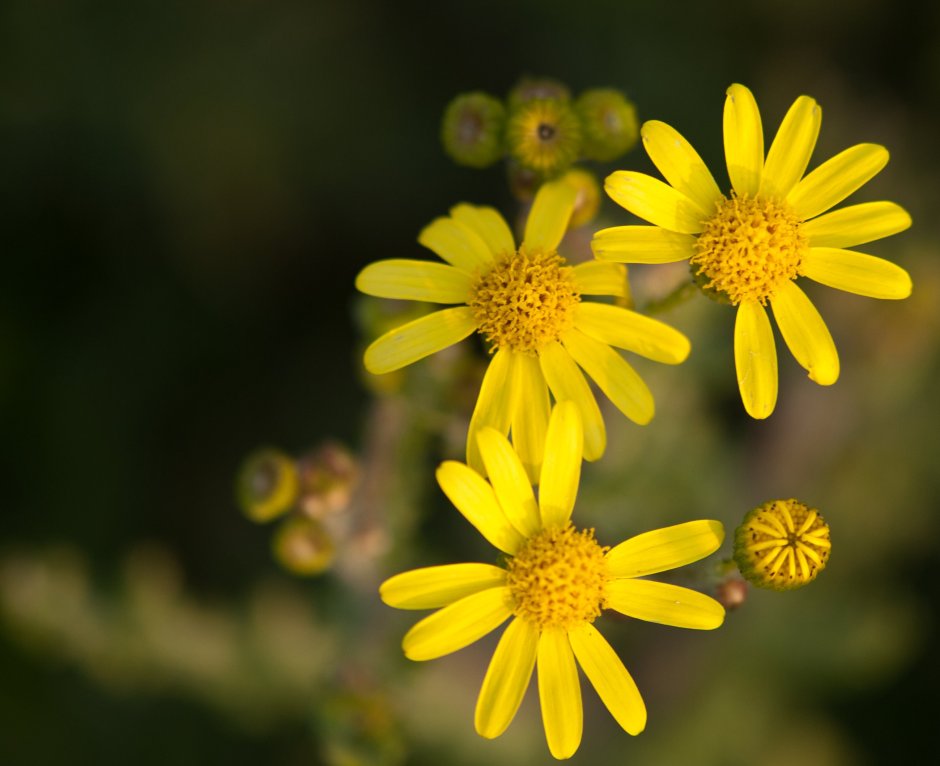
(187, 191)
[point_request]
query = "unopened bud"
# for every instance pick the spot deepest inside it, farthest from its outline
(608, 122)
(327, 478)
(472, 129)
(267, 484)
(303, 546)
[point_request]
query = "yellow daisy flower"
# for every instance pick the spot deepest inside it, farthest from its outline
(748, 248)
(527, 303)
(556, 581)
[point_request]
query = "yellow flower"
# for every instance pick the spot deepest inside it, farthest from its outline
(556, 582)
(527, 303)
(748, 248)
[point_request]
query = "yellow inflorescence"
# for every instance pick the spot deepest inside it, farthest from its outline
(559, 578)
(525, 301)
(748, 248)
(782, 545)
(544, 136)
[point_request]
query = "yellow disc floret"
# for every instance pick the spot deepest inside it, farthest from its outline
(782, 545)
(525, 301)
(559, 578)
(748, 248)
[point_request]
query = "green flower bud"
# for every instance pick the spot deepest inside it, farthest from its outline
(303, 546)
(537, 89)
(609, 123)
(266, 486)
(472, 129)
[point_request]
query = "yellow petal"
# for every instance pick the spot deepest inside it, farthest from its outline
(680, 164)
(755, 360)
(664, 549)
(561, 471)
(744, 140)
(415, 281)
(566, 382)
(458, 625)
(632, 332)
(418, 339)
(559, 694)
(598, 278)
(613, 375)
(475, 499)
(792, 147)
(530, 419)
(433, 587)
(609, 677)
(836, 179)
(457, 244)
(856, 224)
(510, 482)
(642, 244)
(488, 225)
(806, 334)
(495, 405)
(549, 217)
(507, 679)
(656, 202)
(664, 603)
(857, 273)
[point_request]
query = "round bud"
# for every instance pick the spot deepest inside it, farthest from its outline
(472, 129)
(535, 89)
(266, 486)
(544, 136)
(609, 123)
(303, 546)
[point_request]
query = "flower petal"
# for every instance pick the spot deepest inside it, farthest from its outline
(559, 694)
(806, 334)
(599, 278)
(418, 339)
(755, 359)
(654, 201)
(457, 244)
(566, 382)
(495, 405)
(507, 679)
(631, 331)
(856, 224)
(744, 140)
(415, 280)
(664, 603)
(530, 419)
(642, 244)
(792, 147)
(836, 179)
(561, 471)
(680, 164)
(615, 377)
(549, 216)
(857, 273)
(609, 677)
(433, 587)
(488, 225)
(474, 498)
(666, 548)
(458, 625)
(510, 482)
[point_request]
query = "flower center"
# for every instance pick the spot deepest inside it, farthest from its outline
(782, 544)
(559, 578)
(525, 301)
(748, 248)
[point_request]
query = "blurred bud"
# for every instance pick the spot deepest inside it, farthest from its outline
(536, 89)
(588, 201)
(608, 122)
(267, 484)
(327, 477)
(472, 129)
(523, 183)
(782, 545)
(731, 593)
(358, 728)
(303, 546)
(544, 136)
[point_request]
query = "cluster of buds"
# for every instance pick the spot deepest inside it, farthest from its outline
(309, 494)
(540, 129)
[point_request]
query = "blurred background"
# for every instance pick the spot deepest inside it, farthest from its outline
(188, 190)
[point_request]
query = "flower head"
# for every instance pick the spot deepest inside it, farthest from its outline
(557, 581)
(782, 545)
(748, 248)
(529, 305)
(544, 135)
